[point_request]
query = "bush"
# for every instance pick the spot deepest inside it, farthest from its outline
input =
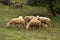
(58, 11)
(6, 2)
(17, 5)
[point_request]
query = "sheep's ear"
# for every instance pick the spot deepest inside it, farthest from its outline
(38, 17)
(19, 16)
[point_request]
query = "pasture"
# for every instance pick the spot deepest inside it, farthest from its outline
(13, 33)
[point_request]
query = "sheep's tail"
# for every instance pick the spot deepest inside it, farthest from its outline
(28, 24)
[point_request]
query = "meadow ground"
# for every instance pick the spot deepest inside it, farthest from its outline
(12, 32)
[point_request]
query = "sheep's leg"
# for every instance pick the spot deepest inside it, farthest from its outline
(16, 25)
(27, 26)
(19, 26)
(46, 26)
(49, 25)
(40, 24)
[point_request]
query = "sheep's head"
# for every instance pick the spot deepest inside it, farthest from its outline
(7, 24)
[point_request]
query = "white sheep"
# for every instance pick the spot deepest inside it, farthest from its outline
(20, 21)
(28, 18)
(33, 22)
(46, 20)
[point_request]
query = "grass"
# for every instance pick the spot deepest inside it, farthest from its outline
(12, 33)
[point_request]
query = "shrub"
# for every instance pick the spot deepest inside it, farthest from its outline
(6, 2)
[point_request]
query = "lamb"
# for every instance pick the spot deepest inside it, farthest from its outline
(46, 20)
(20, 21)
(33, 22)
(28, 18)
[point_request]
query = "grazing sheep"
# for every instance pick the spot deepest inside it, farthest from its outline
(20, 21)
(28, 18)
(33, 22)
(46, 20)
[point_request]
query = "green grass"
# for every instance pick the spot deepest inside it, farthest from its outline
(13, 33)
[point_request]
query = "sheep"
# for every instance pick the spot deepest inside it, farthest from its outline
(46, 20)
(20, 21)
(33, 22)
(28, 18)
